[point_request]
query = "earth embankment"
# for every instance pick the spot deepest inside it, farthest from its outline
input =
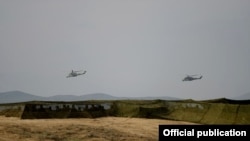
(219, 111)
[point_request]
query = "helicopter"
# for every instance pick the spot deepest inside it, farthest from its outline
(76, 73)
(191, 78)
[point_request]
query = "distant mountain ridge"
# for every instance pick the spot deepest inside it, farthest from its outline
(18, 96)
(94, 96)
(245, 96)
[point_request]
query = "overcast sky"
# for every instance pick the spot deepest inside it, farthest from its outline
(129, 48)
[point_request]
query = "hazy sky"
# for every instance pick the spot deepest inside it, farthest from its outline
(128, 47)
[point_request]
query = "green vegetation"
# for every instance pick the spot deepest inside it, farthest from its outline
(219, 111)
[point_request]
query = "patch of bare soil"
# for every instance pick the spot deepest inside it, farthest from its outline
(79, 129)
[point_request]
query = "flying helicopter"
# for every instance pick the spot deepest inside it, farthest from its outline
(76, 73)
(191, 78)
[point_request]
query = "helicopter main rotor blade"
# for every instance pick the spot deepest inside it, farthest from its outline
(78, 71)
(192, 75)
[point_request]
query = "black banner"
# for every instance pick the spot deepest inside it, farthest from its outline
(202, 132)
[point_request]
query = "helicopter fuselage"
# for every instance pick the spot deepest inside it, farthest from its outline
(189, 78)
(74, 74)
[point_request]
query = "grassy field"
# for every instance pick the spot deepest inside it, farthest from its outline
(122, 120)
(79, 129)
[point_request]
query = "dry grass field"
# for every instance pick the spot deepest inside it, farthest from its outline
(80, 129)
(126, 120)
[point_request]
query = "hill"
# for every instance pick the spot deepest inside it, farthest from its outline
(94, 96)
(217, 111)
(245, 96)
(18, 96)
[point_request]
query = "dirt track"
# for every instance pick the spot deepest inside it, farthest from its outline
(99, 129)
